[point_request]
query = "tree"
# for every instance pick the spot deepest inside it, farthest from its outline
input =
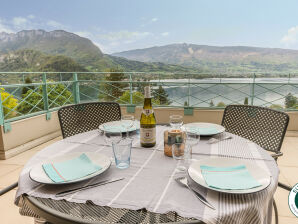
(8, 103)
(246, 101)
(211, 104)
(276, 106)
(137, 98)
(113, 87)
(161, 95)
(25, 89)
(221, 104)
(290, 101)
(58, 95)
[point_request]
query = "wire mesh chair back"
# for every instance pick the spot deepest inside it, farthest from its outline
(79, 118)
(264, 126)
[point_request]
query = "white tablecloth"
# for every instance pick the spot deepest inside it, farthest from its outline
(149, 182)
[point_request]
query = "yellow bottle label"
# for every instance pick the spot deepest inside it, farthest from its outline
(148, 135)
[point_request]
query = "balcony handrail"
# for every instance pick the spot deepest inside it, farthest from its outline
(63, 92)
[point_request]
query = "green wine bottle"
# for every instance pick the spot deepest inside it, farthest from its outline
(147, 122)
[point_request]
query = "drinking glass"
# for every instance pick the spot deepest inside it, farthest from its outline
(127, 121)
(179, 152)
(191, 139)
(112, 133)
(122, 152)
(176, 121)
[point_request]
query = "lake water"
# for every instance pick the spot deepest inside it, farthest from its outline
(264, 92)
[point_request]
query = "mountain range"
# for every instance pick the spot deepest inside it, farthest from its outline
(15, 49)
(59, 50)
(219, 59)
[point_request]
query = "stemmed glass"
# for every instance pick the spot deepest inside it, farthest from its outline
(127, 122)
(112, 133)
(183, 151)
(191, 139)
(176, 121)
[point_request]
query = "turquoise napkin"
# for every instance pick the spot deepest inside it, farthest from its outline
(203, 131)
(71, 169)
(229, 178)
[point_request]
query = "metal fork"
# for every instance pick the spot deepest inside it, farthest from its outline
(183, 181)
(216, 140)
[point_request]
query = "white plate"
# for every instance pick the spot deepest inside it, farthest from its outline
(219, 128)
(258, 173)
(37, 173)
(135, 126)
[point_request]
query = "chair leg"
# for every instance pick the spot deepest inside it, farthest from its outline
(284, 186)
(275, 212)
(10, 187)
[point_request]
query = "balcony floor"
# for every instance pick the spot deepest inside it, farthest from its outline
(10, 169)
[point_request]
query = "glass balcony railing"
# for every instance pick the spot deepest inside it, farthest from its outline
(26, 94)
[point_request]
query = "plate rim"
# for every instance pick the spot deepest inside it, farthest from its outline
(73, 181)
(224, 129)
(100, 127)
(226, 191)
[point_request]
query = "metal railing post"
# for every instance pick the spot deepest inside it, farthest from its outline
(130, 108)
(130, 88)
(6, 126)
(188, 94)
(45, 96)
(252, 90)
(76, 89)
(188, 110)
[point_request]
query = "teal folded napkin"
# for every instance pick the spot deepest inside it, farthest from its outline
(72, 169)
(203, 131)
(229, 178)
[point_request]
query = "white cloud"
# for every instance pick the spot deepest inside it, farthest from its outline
(31, 16)
(124, 35)
(291, 37)
(165, 34)
(154, 19)
(19, 22)
(55, 24)
(84, 34)
(4, 27)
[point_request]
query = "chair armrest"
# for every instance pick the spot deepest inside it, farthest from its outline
(276, 154)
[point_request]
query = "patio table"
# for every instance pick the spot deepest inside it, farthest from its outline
(149, 185)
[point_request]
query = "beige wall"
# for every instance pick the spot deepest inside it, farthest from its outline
(30, 132)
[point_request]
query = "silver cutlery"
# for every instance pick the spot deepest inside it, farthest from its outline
(183, 181)
(215, 140)
(71, 191)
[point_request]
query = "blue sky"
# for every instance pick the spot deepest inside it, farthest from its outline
(118, 25)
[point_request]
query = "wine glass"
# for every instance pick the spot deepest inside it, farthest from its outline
(112, 133)
(176, 121)
(192, 138)
(178, 153)
(127, 122)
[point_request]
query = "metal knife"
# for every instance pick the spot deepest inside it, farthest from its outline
(71, 191)
(183, 181)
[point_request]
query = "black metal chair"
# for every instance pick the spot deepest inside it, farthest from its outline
(79, 118)
(264, 126)
(64, 212)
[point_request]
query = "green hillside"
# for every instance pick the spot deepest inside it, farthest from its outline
(31, 60)
(219, 59)
(81, 50)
